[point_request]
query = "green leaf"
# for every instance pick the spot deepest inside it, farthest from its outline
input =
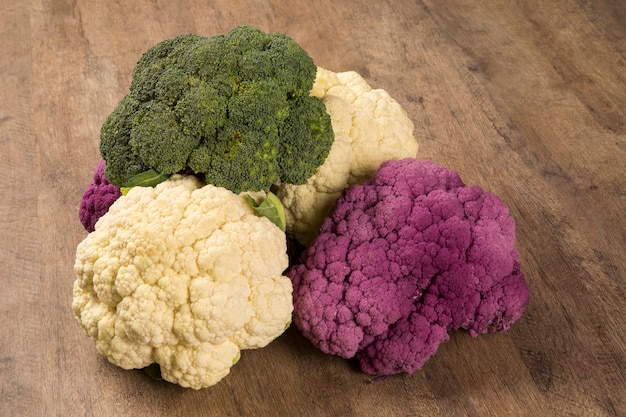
(149, 178)
(270, 207)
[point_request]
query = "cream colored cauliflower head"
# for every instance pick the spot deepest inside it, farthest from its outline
(185, 276)
(370, 128)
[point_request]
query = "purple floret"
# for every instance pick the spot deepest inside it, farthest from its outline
(97, 198)
(404, 258)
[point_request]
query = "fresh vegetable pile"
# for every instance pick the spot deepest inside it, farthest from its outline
(227, 147)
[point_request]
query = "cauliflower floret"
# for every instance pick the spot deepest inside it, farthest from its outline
(370, 127)
(97, 198)
(185, 276)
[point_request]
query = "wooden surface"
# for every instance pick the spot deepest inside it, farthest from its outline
(525, 98)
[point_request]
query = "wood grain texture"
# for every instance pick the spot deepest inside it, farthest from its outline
(525, 98)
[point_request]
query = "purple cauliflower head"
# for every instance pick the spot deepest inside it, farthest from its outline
(404, 258)
(97, 198)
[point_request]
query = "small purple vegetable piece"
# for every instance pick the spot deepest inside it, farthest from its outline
(97, 198)
(404, 258)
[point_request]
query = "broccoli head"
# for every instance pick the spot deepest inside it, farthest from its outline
(234, 107)
(404, 258)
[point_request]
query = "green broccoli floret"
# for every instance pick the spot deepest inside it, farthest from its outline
(235, 108)
(299, 159)
(122, 162)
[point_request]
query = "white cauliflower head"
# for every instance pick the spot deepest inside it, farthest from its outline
(185, 276)
(370, 128)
